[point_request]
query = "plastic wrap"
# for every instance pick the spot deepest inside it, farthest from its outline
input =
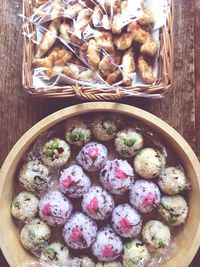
(103, 44)
(151, 139)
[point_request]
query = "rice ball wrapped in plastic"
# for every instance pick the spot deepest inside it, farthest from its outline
(135, 254)
(80, 231)
(54, 208)
(128, 142)
(172, 181)
(74, 182)
(109, 264)
(156, 234)
(77, 132)
(117, 176)
(174, 209)
(24, 206)
(92, 156)
(144, 195)
(97, 203)
(55, 254)
(55, 152)
(34, 176)
(105, 127)
(149, 162)
(34, 235)
(108, 246)
(126, 221)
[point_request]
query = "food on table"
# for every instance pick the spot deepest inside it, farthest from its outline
(54, 208)
(109, 264)
(144, 195)
(74, 182)
(128, 142)
(117, 176)
(135, 254)
(34, 235)
(172, 180)
(105, 127)
(55, 253)
(55, 152)
(108, 246)
(97, 203)
(24, 206)
(149, 162)
(104, 29)
(77, 132)
(156, 234)
(80, 231)
(87, 262)
(126, 221)
(34, 176)
(92, 156)
(174, 209)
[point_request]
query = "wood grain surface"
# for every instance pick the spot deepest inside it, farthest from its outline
(180, 108)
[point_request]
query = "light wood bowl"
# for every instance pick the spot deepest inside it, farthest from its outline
(187, 241)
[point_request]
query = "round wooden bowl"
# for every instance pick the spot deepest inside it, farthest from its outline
(187, 241)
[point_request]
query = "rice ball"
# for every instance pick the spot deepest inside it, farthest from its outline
(77, 132)
(144, 195)
(126, 221)
(74, 182)
(105, 127)
(54, 208)
(24, 206)
(80, 231)
(117, 176)
(156, 234)
(87, 262)
(172, 180)
(34, 235)
(108, 246)
(174, 209)
(55, 152)
(97, 203)
(149, 162)
(135, 254)
(92, 156)
(55, 254)
(128, 142)
(34, 176)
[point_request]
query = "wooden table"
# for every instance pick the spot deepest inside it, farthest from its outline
(180, 108)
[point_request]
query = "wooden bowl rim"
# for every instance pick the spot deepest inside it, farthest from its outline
(146, 117)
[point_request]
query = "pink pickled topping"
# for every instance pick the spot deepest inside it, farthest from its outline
(76, 234)
(125, 224)
(108, 252)
(93, 206)
(46, 210)
(68, 181)
(120, 174)
(149, 200)
(93, 152)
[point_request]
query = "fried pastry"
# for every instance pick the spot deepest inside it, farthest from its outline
(146, 70)
(128, 67)
(123, 41)
(93, 55)
(105, 40)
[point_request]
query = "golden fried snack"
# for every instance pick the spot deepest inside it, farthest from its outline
(48, 38)
(80, 24)
(114, 77)
(147, 18)
(128, 67)
(111, 6)
(145, 70)
(105, 40)
(71, 71)
(116, 24)
(123, 41)
(97, 16)
(72, 11)
(107, 65)
(87, 76)
(93, 54)
(150, 47)
(39, 3)
(66, 31)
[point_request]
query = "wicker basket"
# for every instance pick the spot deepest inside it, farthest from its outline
(161, 86)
